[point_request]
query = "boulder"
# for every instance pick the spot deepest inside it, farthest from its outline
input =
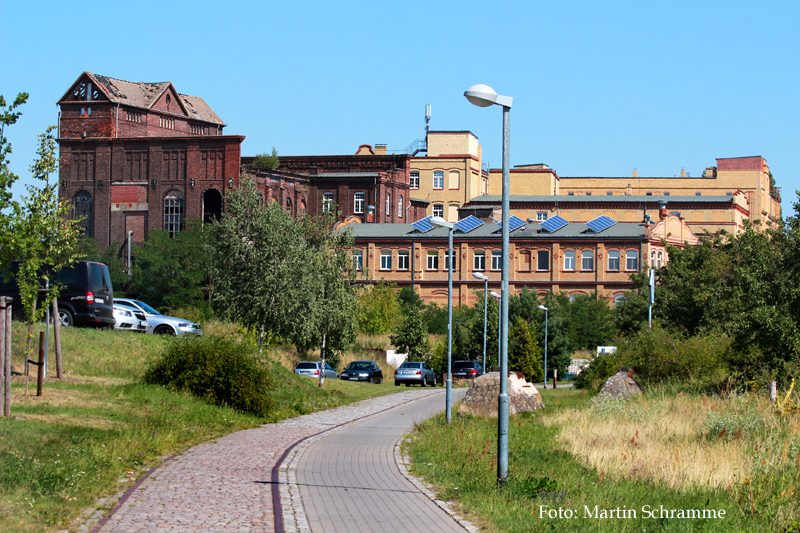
(621, 386)
(481, 397)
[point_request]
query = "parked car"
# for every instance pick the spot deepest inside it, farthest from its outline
(466, 369)
(414, 372)
(363, 371)
(312, 368)
(129, 318)
(85, 299)
(158, 324)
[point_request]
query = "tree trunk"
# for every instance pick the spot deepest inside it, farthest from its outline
(322, 365)
(57, 337)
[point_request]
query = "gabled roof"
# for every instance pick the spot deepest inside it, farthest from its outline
(144, 95)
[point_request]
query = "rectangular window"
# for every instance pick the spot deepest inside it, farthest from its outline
(413, 180)
(569, 260)
(399, 207)
(386, 259)
(613, 260)
(479, 262)
(402, 260)
(631, 260)
(438, 179)
(543, 260)
(438, 210)
(587, 260)
(327, 202)
(433, 260)
(497, 259)
(541, 216)
(525, 261)
(447, 260)
(358, 259)
(358, 202)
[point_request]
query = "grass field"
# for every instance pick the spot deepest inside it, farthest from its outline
(94, 432)
(587, 465)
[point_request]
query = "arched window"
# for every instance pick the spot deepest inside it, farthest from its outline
(613, 260)
(400, 206)
(386, 259)
(289, 205)
(631, 260)
(174, 212)
(587, 260)
(569, 260)
(84, 210)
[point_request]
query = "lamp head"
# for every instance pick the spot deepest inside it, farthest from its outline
(483, 96)
(543, 308)
(440, 222)
(478, 275)
(493, 293)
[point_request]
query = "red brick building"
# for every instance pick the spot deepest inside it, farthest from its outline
(140, 156)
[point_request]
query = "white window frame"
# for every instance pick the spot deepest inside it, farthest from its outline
(541, 216)
(569, 260)
(358, 259)
(359, 200)
(587, 260)
(438, 179)
(400, 206)
(497, 259)
(388, 204)
(327, 202)
(479, 260)
(433, 260)
(447, 260)
(632, 260)
(613, 260)
(403, 259)
(386, 259)
(438, 210)
(413, 180)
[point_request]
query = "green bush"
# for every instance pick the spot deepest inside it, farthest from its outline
(594, 375)
(217, 369)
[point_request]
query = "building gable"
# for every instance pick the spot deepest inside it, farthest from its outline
(170, 101)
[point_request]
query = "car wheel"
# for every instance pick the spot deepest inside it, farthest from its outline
(434, 381)
(408, 384)
(424, 381)
(379, 381)
(164, 330)
(65, 318)
(396, 383)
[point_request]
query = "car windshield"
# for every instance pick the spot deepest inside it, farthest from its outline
(463, 364)
(305, 366)
(146, 307)
(359, 366)
(410, 365)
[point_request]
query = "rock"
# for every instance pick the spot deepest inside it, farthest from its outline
(481, 398)
(621, 386)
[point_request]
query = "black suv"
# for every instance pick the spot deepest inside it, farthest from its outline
(467, 369)
(87, 297)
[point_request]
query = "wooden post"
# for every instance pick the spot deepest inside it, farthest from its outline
(555, 377)
(3, 353)
(40, 373)
(57, 337)
(7, 326)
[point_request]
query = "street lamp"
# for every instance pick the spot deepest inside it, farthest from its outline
(543, 308)
(439, 222)
(484, 96)
(499, 324)
(485, 279)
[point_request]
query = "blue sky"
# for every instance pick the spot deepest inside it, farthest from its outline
(600, 88)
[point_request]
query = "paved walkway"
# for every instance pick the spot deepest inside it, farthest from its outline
(227, 485)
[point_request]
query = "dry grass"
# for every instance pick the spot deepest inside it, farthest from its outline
(662, 439)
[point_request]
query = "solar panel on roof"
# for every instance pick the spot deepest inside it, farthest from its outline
(423, 225)
(601, 223)
(554, 224)
(514, 222)
(468, 224)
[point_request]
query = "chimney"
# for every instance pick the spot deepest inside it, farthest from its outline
(683, 172)
(380, 149)
(635, 173)
(711, 172)
(370, 213)
(662, 209)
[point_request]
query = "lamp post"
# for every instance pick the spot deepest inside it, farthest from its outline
(543, 308)
(499, 297)
(439, 222)
(484, 96)
(485, 279)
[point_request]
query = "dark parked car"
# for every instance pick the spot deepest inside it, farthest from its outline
(363, 371)
(414, 372)
(467, 369)
(86, 297)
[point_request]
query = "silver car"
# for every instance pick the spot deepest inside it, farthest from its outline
(158, 324)
(129, 318)
(312, 368)
(414, 372)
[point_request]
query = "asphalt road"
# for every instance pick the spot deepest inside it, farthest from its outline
(349, 479)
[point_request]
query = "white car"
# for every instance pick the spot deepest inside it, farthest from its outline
(158, 324)
(129, 318)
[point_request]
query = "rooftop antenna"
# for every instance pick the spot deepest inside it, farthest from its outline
(427, 118)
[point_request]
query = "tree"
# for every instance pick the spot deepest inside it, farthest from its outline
(171, 271)
(41, 235)
(524, 353)
(378, 309)
(269, 161)
(412, 336)
(8, 117)
(590, 321)
(408, 298)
